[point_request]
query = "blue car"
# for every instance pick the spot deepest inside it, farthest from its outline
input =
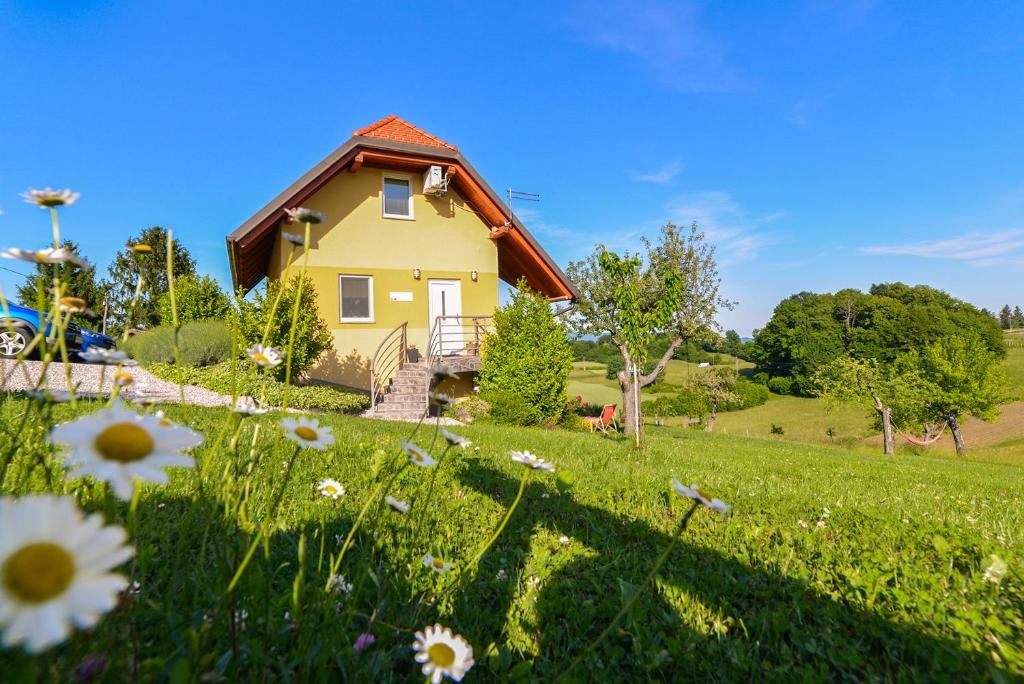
(19, 324)
(91, 338)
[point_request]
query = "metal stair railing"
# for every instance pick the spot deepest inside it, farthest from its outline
(460, 336)
(389, 358)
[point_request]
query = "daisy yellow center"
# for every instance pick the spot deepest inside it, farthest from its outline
(441, 655)
(417, 456)
(306, 433)
(38, 572)
(260, 358)
(124, 442)
(41, 256)
(330, 489)
(437, 563)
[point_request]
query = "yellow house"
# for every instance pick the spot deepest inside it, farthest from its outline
(406, 264)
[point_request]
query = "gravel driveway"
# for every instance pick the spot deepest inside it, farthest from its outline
(86, 378)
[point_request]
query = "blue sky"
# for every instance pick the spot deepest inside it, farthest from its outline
(820, 144)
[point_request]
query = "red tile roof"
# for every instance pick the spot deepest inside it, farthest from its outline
(399, 130)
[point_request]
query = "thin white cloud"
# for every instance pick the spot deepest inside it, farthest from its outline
(737, 233)
(670, 39)
(977, 248)
(665, 174)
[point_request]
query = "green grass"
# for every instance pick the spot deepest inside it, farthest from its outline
(1014, 364)
(587, 379)
(890, 588)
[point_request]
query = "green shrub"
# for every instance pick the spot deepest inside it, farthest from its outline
(781, 385)
(266, 388)
(528, 355)
(202, 343)
(471, 408)
(777, 430)
(312, 336)
(750, 394)
(761, 378)
(199, 298)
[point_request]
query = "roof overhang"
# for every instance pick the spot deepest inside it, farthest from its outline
(251, 245)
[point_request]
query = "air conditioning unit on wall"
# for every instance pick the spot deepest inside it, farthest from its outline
(434, 182)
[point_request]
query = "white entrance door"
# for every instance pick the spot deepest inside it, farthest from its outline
(445, 303)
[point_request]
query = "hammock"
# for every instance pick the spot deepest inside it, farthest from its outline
(923, 442)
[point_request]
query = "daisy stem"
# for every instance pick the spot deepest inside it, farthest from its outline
(266, 525)
(501, 527)
(636, 594)
(56, 227)
(174, 315)
(430, 491)
(277, 297)
(375, 497)
(295, 320)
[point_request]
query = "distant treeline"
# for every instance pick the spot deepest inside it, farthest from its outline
(1009, 318)
(809, 330)
(711, 350)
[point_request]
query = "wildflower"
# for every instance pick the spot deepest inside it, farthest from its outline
(117, 445)
(442, 654)
(442, 372)
(72, 305)
(48, 197)
(49, 255)
(308, 432)
(266, 357)
(436, 564)
(455, 440)
(363, 642)
(501, 575)
(802, 523)
(50, 396)
(996, 569)
(331, 488)
(563, 539)
(417, 456)
(696, 494)
(109, 357)
(339, 585)
(56, 566)
(91, 667)
(296, 240)
(531, 461)
(400, 506)
(820, 524)
(439, 399)
(304, 215)
(141, 248)
(122, 379)
(247, 406)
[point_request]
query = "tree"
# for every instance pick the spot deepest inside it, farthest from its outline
(718, 385)
(879, 387)
(125, 269)
(1005, 317)
(198, 298)
(80, 282)
(962, 377)
(629, 305)
(528, 355)
(1018, 318)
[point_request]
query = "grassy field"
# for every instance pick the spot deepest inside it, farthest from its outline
(587, 379)
(834, 564)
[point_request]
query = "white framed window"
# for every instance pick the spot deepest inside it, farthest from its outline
(397, 194)
(355, 297)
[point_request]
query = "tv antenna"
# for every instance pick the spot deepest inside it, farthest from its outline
(520, 195)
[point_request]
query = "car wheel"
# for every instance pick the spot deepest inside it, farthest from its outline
(12, 342)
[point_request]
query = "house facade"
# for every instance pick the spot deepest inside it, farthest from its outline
(407, 262)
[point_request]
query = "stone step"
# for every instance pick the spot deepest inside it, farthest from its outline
(410, 382)
(398, 408)
(402, 404)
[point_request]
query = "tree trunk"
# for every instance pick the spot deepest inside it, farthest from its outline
(631, 389)
(885, 413)
(710, 425)
(958, 437)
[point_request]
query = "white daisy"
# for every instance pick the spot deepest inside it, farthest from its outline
(339, 585)
(308, 432)
(443, 654)
(48, 197)
(51, 396)
(331, 488)
(436, 564)
(56, 566)
(455, 440)
(304, 215)
(417, 456)
(247, 406)
(72, 305)
(996, 570)
(442, 372)
(697, 495)
(398, 505)
(109, 357)
(122, 379)
(267, 357)
(531, 461)
(117, 445)
(296, 240)
(49, 255)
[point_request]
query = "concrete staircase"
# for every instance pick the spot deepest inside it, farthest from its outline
(405, 398)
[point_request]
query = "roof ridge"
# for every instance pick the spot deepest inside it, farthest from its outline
(393, 127)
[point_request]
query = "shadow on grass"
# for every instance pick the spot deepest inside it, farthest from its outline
(742, 622)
